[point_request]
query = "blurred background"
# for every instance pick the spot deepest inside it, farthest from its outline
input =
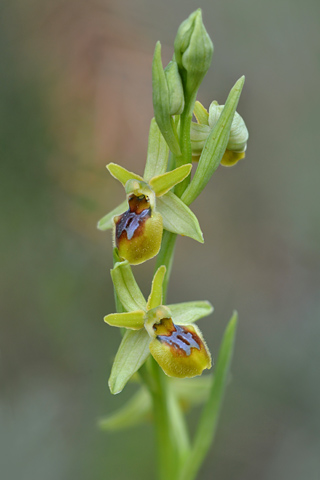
(76, 94)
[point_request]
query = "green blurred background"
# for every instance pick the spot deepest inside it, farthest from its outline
(76, 94)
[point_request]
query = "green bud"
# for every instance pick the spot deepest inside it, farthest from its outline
(162, 101)
(193, 50)
(175, 88)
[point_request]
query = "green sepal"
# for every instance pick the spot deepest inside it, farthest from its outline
(132, 413)
(178, 218)
(127, 288)
(210, 415)
(198, 136)
(161, 103)
(189, 312)
(158, 152)
(215, 146)
(161, 184)
(106, 222)
(122, 174)
(131, 355)
(132, 320)
(155, 297)
(201, 113)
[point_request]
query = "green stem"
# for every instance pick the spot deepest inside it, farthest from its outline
(165, 257)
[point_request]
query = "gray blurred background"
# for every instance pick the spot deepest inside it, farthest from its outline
(76, 94)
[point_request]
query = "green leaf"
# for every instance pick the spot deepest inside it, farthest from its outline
(131, 355)
(106, 222)
(215, 146)
(178, 218)
(155, 297)
(161, 103)
(189, 312)
(158, 152)
(201, 113)
(161, 184)
(127, 288)
(132, 320)
(122, 174)
(210, 415)
(135, 411)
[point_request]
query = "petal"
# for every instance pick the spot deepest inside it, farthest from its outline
(158, 152)
(121, 173)
(131, 355)
(127, 288)
(131, 320)
(155, 297)
(189, 312)
(106, 222)
(180, 350)
(178, 218)
(161, 184)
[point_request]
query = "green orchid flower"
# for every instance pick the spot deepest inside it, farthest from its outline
(152, 205)
(167, 332)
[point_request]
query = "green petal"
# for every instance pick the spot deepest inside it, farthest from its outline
(106, 222)
(127, 288)
(201, 113)
(135, 411)
(122, 174)
(158, 152)
(161, 184)
(178, 218)
(132, 320)
(215, 146)
(131, 355)
(189, 312)
(155, 297)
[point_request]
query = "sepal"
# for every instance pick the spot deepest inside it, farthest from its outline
(158, 153)
(106, 222)
(178, 218)
(127, 288)
(131, 355)
(189, 312)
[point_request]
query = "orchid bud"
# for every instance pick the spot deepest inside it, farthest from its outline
(193, 50)
(175, 88)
